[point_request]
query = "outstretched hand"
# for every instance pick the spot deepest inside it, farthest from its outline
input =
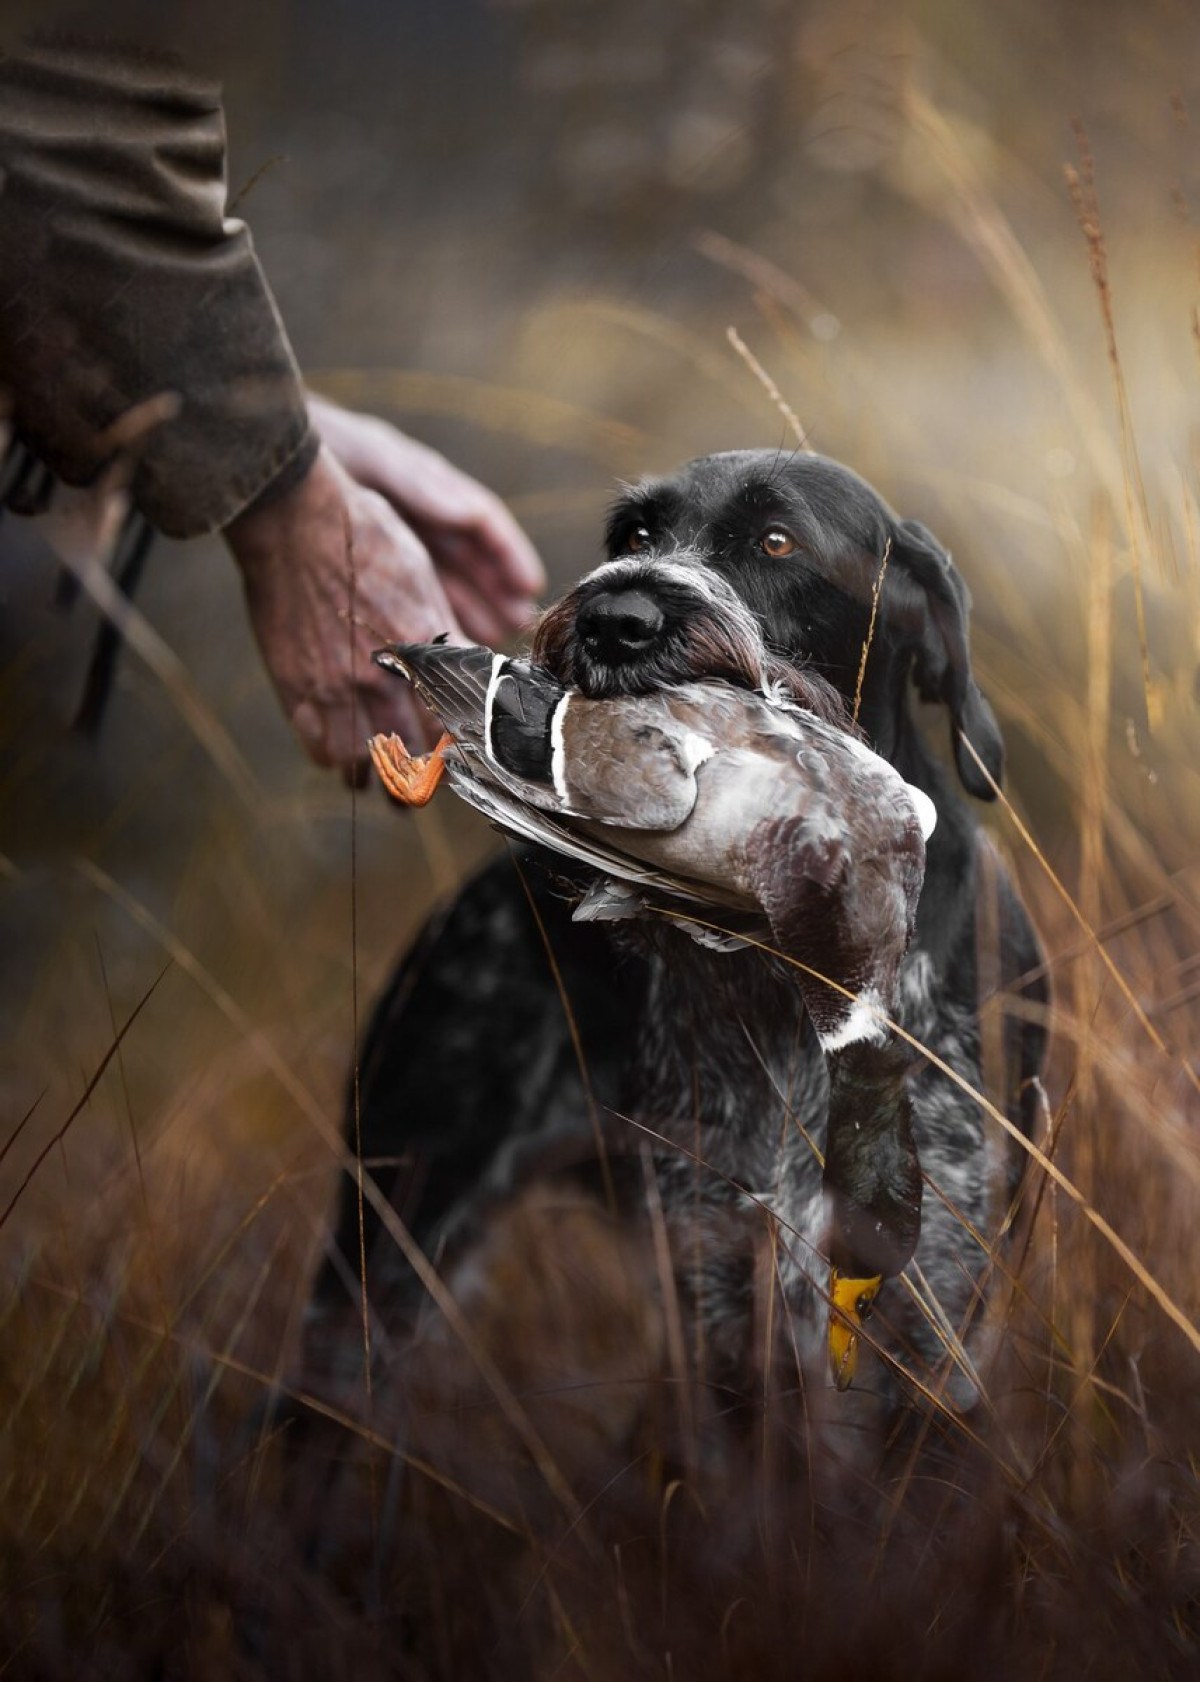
(382, 541)
(486, 565)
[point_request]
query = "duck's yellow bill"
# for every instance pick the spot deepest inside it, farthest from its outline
(851, 1303)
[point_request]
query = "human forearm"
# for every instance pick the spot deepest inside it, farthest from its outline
(121, 278)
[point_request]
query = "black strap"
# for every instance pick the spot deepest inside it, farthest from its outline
(26, 487)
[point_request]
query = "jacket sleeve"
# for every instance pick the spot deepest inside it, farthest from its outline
(122, 278)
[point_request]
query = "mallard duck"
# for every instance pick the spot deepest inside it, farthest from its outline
(710, 800)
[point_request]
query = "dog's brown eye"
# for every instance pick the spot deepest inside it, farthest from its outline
(777, 543)
(637, 540)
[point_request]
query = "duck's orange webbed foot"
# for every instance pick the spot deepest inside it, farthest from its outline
(408, 778)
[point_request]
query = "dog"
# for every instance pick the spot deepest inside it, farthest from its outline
(516, 1043)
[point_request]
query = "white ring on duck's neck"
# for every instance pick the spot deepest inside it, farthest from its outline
(499, 661)
(558, 749)
(862, 1023)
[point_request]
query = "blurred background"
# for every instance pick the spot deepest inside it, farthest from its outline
(521, 229)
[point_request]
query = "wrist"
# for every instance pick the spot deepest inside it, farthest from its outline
(295, 469)
(290, 513)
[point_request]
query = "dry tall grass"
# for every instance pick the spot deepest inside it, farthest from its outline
(168, 1162)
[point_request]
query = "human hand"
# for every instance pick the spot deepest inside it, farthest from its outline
(486, 565)
(331, 571)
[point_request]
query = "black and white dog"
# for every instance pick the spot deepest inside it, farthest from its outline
(509, 1024)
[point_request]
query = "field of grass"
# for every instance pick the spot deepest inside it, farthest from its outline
(193, 924)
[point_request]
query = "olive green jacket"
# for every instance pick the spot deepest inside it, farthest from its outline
(122, 278)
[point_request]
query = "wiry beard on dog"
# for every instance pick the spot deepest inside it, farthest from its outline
(708, 633)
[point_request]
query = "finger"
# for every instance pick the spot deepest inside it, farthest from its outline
(400, 596)
(511, 614)
(488, 548)
(458, 561)
(346, 732)
(334, 734)
(519, 613)
(476, 614)
(439, 500)
(308, 721)
(504, 547)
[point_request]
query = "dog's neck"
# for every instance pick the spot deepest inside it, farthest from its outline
(726, 1059)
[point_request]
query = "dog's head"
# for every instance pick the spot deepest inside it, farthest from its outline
(761, 568)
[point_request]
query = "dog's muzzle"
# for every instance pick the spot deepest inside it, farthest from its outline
(620, 625)
(638, 624)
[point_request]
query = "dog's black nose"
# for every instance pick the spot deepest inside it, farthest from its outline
(620, 624)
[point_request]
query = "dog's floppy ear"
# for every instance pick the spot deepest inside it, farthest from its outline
(943, 664)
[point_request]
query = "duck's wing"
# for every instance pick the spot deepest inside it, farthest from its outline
(839, 877)
(631, 763)
(786, 723)
(510, 812)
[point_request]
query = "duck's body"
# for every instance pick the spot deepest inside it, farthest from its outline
(734, 807)
(704, 793)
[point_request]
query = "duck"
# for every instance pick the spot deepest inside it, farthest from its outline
(724, 808)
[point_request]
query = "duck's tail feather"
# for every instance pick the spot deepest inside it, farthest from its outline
(529, 823)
